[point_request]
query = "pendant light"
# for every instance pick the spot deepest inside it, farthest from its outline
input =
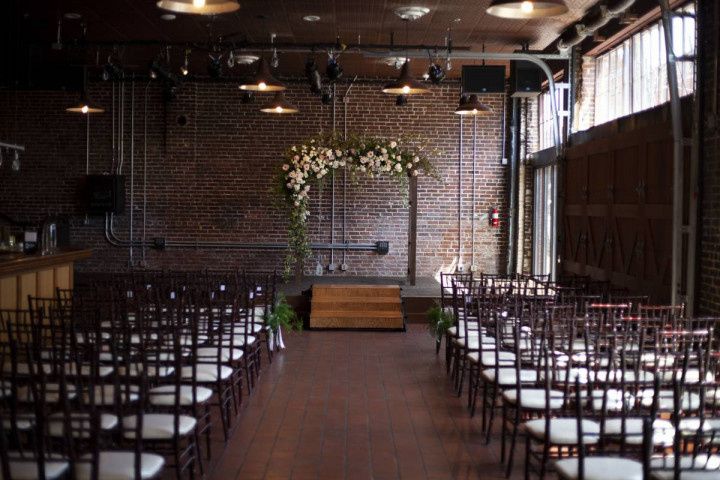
(279, 105)
(527, 9)
(263, 80)
(199, 7)
(472, 106)
(405, 84)
(84, 105)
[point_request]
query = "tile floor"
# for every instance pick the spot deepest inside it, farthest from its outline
(357, 405)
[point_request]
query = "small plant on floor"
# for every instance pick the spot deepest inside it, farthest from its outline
(439, 321)
(283, 315)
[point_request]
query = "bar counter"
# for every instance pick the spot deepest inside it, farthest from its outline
(36, 275)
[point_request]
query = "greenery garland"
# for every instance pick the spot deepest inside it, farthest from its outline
(307, 165)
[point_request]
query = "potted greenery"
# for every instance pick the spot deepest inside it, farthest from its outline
(281, 316)
(439, 320)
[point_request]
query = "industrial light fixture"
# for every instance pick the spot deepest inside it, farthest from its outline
(313, 76)
(199, 7)
(334, 70)
(405, 84)
(435, 73)
(84, 105)
(279, 105)
(263, 80)
(527, 9)
(185, 68)
(472, 106)
(311, 18)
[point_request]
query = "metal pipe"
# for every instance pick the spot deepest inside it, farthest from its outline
(12, 146)
(460, 192)
(112, 238)
(132, 169)
(514, 160)
(144, 218)
(678, 183)
(121, 137)
(346, 100)
(583, 31)
(112, 109)
(332, 186)
(474, 199)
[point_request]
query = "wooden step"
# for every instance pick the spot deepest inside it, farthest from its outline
(357, 307)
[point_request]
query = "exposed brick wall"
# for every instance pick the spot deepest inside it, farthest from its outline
(708, 285)
(212, 179)
(585, 95)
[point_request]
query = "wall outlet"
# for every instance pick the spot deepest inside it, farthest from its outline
(332, 267)
(343, 267)
(460, 268)
(473, 268)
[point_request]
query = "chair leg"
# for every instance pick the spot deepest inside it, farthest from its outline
(527, 457)
(513, 440)
(503, 428)
(493, 399)
(448, 354)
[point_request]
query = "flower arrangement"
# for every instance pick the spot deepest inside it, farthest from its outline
(308, 164)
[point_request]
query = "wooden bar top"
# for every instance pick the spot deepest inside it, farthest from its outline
(15, 263)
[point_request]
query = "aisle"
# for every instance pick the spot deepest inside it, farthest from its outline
(357, 405)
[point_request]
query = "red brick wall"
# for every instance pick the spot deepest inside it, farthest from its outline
(212, 179)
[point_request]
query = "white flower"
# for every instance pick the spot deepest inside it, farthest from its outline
(297, 204)
(370, 154)
(416, 159)
(383, 151)
(306, 167)
(409, 166)
(393, 144)
(362, 168)
(294, 148)
(307, 188)
(306, 158)
(414, 173)
(296, 187)
(338, 153)
(286, 167)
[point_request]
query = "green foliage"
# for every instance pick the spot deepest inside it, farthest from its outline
(283, 315)
(439, 321)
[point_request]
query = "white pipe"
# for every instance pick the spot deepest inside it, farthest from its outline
(474, 175)
(132, 168)
(12, 146)
(460, 193)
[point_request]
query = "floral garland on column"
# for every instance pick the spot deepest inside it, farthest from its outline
(308, 164)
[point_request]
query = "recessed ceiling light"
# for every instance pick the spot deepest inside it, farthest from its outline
(245, 59)
(72, 16)
(411, 13)
(168, 17)
(311, 18)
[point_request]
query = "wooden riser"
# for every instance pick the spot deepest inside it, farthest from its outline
(357, 307)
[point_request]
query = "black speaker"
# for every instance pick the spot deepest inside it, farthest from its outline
(105, 194)
(483, 79)
(525, 79)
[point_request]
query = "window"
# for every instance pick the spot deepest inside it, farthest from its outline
(633, 76)
(544, 221)
(546, 137)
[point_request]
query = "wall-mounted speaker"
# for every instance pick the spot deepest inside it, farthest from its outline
(525, 79)
(105, 194)
(483, 79)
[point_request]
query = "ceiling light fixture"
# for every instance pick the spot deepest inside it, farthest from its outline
(279, 105)
(199, 7)
(263, 80)
(245, 59)
(168, 17)
(84, 106)
(517, 9)
(412, 12)
(435, 73)
(72, 16)
(311, 18)
(472, 106)
(405, 84)
(185, 69)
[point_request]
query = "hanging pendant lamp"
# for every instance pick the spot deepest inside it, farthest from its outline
(405, 84)
(472, 106)
(263, 80)
(279, 105)
(527, 9)
(84, 105)
(199, 7)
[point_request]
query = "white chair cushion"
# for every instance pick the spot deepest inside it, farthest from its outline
(79, 424)
(666, 402)
(22, 468)
(534, 398)
(105, 394)
(628, 375)
(691, 375)
(207, 372)
(563, 431)
(120, 466)
(52, 393)
(508, 375)
(224, 354)
(158, 426)
(701, 467)
(601, 468)
(490, 359)
(152, 370)
(615, 399)
(164, 395)
(663, 431)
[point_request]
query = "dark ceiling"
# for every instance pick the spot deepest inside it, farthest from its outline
(352, 21)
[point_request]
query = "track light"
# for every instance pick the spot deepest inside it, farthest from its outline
(327, 97)
(185, 69)
(161, 70)
(112, 70)
(435, 73)
(333, 71)
(405, 84)
(279, 105)
(15, 165)
(471, 106)
(401, 100)
(527, 9)
(313, 76)
(263, 80)
(199, 7)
